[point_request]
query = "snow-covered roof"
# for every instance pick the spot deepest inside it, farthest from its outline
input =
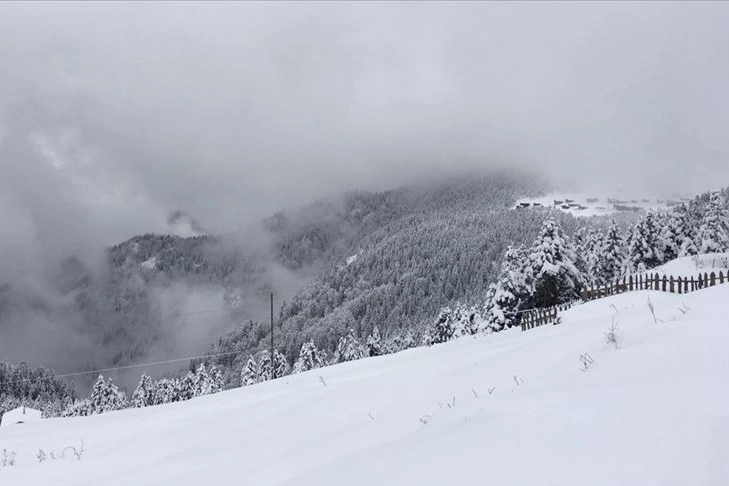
(20, 415)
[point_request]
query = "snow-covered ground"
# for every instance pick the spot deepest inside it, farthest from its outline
(594, 204)
(691, 266)
(510, 408)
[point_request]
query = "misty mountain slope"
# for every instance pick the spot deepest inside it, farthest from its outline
(507, 408)
(330, 228)
(163, 296)
(404, 274)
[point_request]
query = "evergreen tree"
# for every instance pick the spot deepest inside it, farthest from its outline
(644, 245)
(374, 343)
(186, 386)
(309, 358)
(610, 256)
(206, 381)
(265, 366)
(281, 366)
(106, 397)
(444, 329)
(249, 374)
(556, 279)
(217, 383)
(685, 230)
(511, 292)
(166, 391)
(714, 230)
(144, 394)
(349, 349)
(470, 321)
(408, 341)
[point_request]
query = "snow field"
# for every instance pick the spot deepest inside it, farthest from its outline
(654, 411)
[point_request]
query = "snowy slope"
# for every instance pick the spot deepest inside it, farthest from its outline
(691, 266)
(654, 411)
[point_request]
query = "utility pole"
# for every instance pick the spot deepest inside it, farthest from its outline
(273, 368)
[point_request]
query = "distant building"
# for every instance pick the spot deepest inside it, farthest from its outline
(20, 415)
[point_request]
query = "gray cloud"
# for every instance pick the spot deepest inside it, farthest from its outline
(113, 115)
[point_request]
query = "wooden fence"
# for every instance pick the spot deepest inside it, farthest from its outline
(664, 283)
(532, 318)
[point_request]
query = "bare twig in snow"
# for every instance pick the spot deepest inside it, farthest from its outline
(611, 335)
(653, 310)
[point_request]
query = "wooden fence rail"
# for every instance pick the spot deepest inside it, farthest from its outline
(678, 285)
(538, 317)
(664, 283)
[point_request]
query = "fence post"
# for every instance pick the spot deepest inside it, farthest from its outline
(721, 277)
(670, 285)
(656, 281)
(663, 283)
(713, 279)
(630, 282)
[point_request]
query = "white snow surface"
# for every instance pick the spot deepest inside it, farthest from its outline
(691, 266)
(351, 259)
(653, 412)
(18, 415)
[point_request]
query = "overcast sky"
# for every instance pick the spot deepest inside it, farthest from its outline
(113, 115)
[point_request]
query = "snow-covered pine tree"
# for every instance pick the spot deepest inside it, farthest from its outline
(348, 349)
(281, 366)
(374, 343)
(408, 341)
(206, 381)
(106, 397)
(581, 251)
(200, 381)
(166, 391)
(217, 382)
(265, 366)
(249, 374)
(309, 358)
(444, 328)
(186, 386)
(685, 230)
(610, 256)
(511, 292)
(714, 230)
(556, 279)
(426, 339)
(471, 321)
(593, 248)
(644, 245)
(144, 394)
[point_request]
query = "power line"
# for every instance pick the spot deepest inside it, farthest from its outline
(117, 368)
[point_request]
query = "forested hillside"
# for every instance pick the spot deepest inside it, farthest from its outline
(164, 296)
(423, 277)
